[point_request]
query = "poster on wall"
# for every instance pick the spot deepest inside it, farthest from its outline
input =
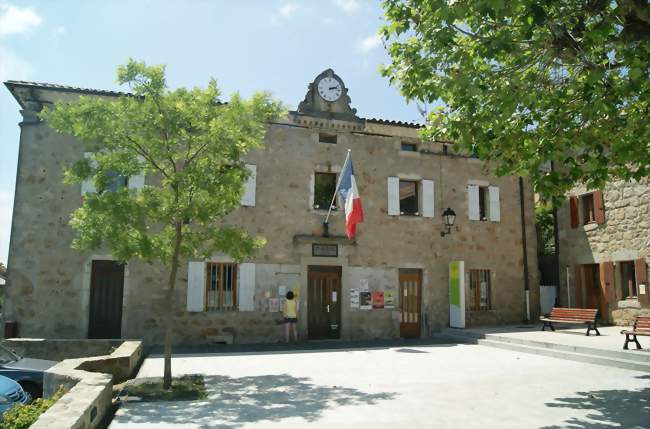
(363, 285)
(377, 300)
(274, 305)
(354, 298)
(282, 291)
(389, 300)
(365, 301)
(457, 294)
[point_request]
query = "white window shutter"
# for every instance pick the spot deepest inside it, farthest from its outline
(427, 198)
(196, 286)
(473, 207)
(393, 196)
(495, 208)
(136, 182)
(248, 199)
(246, 287)
(88, 186)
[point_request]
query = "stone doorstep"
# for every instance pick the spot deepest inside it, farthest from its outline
(90, 393)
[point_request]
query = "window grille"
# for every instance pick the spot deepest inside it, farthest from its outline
(221, 286)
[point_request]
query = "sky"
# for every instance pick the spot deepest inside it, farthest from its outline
(278, 46)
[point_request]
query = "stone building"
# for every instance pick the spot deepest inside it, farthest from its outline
(392, 280)
(604, 250)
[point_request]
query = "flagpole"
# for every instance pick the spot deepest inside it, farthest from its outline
(347, 158)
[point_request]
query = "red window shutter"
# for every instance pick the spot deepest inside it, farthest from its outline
(573, 204)
(599, 207)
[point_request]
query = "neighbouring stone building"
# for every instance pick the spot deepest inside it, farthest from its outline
(392, 280)
(604, 250)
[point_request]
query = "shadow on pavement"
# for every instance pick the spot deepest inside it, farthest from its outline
(610, 408)
(234, 402)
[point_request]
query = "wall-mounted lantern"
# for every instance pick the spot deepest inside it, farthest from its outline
(449, 217)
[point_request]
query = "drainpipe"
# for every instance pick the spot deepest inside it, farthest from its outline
(524, 248)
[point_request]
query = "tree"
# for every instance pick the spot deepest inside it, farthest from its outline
(526, 82)
(190, 145)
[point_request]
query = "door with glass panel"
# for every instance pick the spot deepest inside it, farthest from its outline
(410, 293)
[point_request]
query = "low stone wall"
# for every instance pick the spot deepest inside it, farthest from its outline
(89, 385)
(57, 349)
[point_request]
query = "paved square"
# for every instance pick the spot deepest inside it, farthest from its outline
(436, 386)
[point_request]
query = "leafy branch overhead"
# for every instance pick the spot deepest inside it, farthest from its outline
(190, 146)
(526, 82)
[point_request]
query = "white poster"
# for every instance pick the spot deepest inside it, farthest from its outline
(354, 298)
(282, 291)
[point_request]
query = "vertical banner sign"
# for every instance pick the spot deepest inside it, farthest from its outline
(457, 294)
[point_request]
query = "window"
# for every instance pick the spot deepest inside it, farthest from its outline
(483, 202)
(480, 290)
(115, 181)
(324, 187)
(592, 209)
(588, 211)
(628, 279)
(409, 147)
(408, 198)
(221, 286)
(327, 138)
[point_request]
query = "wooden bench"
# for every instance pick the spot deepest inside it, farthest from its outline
(572, 315)
(641, 327)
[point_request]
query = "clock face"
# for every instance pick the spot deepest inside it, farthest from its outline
(330, 89)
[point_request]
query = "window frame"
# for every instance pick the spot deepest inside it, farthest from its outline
(625, 289)
(335, 205)
(417, 184)
(483, 203)
(327, 138)
(408, 144)
(475, 277)
(587, 217)
(220, 305)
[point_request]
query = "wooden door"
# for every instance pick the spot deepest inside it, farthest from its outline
(595, 298)
(106, 292)
(410, 293)
(324, 302)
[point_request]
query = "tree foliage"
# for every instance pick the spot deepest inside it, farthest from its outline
(544, 225)
(189, 145)
(526, 82)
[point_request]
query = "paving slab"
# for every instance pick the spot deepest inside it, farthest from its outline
(420, 386)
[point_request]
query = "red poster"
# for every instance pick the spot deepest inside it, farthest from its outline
(378, 300)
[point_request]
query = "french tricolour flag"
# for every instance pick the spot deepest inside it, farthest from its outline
(350, 194)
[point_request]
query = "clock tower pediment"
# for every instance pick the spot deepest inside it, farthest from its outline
(327, 98)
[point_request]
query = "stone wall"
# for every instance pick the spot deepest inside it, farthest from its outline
(89, 387)
(624, 236)
(54, 349)
(49, 294)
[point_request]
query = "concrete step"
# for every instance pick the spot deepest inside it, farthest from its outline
(620, 361)
(642, 357)
(578, 357)
(632, 355)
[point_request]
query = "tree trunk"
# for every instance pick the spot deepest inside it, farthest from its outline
(169, 313)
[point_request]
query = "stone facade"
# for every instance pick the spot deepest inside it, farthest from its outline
(49, 288)
(623, 236)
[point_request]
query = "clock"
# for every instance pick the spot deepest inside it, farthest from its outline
(330, 89)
